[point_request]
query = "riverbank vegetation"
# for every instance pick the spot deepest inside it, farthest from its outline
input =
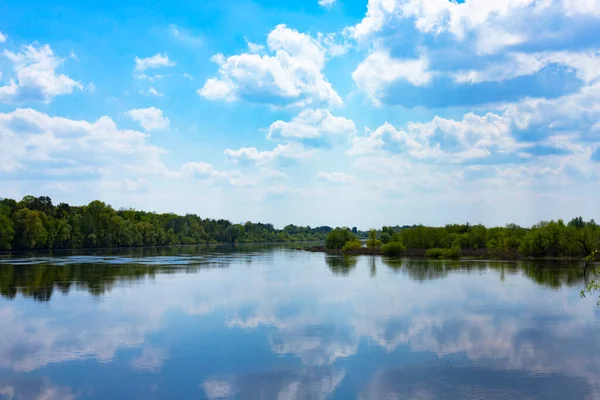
(35, 223)
(576, 239)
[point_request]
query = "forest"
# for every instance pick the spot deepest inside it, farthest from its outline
(35, 223)
(576, 239)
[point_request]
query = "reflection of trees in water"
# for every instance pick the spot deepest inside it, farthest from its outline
(39, 281)
(341, 265)
(97, 271)
(549, 274)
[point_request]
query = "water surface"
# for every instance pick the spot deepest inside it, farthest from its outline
(266, 322)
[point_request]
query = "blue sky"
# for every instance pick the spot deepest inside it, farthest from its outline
(312, 112)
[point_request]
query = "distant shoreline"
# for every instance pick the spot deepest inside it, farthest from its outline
(466, 254)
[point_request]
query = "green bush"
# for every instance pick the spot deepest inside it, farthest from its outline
(437, 252)
(373, 243)
(393, 249)
(352, 245)
(337, 238)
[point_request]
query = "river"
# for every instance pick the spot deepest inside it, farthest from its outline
(272, 322)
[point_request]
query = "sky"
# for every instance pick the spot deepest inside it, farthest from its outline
(308, 112)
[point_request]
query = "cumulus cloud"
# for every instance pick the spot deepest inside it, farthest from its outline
(3, 37)
(151, 119)
(311, 125)
(42, 145)
(251, 155)
(158, 60)
(291, 76)
(416, 42)
(35, 77)
(379, 70)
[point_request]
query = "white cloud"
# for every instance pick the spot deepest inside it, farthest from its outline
(3, 37)
(45, 146)
(496, 39)
(442, 139)
(312, 124)
(290, 151)
(336, 177)
(379, 70)
(151, 119)
(188, 76)
(206, 171)
(36, 78)
(158, 60)
(151, 92)
(327, 3)
(586, 65)
(291, 76)
(215, 89)
(255, 48)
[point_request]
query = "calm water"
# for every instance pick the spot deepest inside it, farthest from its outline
(274, 323)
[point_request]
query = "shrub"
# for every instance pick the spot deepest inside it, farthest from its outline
(436, 252)
(453, 252)
(337, 238)
(393, 249)
(352, 245)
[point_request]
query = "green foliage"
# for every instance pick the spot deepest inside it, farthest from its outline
(592, 287)
(351, 245)
(337, 238)
(35, 223)
(385, 237)
(30, 232)
(7, 231)
(372, 241)
(393, 249)
(453, 252)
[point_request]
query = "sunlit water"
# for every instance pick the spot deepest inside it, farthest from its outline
(274, 323)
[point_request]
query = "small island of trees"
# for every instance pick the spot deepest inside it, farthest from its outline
(576, 239)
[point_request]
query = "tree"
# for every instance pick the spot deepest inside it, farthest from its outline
(337, 238)
(372, 241)
(7, 231)
(385, 237)
(29, 229)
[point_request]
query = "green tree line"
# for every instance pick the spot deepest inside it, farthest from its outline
(36, 223)
(575, 239)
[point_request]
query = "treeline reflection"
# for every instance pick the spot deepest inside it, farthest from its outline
(547, 273)
(39, 278)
